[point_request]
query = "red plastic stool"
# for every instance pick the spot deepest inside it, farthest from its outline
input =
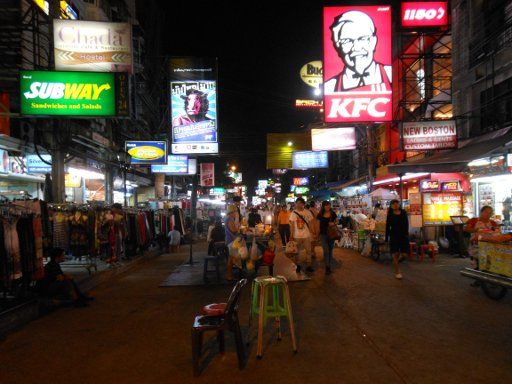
(428, 248)
(413, 250)
(215, 309)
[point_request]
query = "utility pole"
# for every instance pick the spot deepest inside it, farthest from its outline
(371, 155)
(58, 126)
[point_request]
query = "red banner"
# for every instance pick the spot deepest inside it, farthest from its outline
(357, 64)
(207, 173)
(425, 14)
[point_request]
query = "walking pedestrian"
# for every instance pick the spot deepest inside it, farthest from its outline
(301, 233)
(397, 232)
(326, 218)
(283, 221)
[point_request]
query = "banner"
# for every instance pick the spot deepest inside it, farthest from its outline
(193, 99)
(425, 14)
(93, 46)
(147, 152)
(67, 93)
(36, 165)
(207, 174)
(333, 139)
(357, 64)
(429, 135)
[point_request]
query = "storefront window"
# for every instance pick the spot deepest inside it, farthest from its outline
(495, 191)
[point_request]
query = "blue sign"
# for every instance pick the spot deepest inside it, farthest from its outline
(176, 165)
(310, 159)
(36, 165)
(147, 152)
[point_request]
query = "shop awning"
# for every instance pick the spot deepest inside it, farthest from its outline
(458, 159)
(349, 183)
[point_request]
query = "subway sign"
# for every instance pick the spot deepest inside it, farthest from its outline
(53, 93)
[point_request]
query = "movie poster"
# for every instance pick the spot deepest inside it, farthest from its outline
(193, 98)
(357, 64)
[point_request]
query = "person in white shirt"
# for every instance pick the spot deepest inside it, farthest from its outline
(301, 221)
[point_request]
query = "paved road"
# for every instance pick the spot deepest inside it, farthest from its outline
(359, 325)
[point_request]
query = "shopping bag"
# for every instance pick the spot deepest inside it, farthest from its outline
(291, 247)
(319, 253)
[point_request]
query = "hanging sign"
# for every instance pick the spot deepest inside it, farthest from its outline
(147, 152)
(430, 186)
(429, 135)
(357, 64)
(207, 174)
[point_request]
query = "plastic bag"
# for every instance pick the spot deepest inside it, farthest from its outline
(291, 247)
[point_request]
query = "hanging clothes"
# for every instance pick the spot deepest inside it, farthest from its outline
(12, 248)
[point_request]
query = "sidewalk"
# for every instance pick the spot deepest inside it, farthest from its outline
(359, 325)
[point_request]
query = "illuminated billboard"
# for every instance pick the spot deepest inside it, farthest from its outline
(92, 46)
(193, 102)
(310, 159)
(425, 14)
(333, 139)
(311, 73)
(429, 135)
(176, 165)
(300, 181)
(67, 93)
(39, 164)
(207, 174)
(147, 152)
(357, 64)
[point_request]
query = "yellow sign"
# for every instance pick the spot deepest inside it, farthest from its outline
(315, 104)
(72, 181)
(146, 152)
(312, 73)
(438, 207)
(495, 258)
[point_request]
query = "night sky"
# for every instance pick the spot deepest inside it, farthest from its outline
(261, 47)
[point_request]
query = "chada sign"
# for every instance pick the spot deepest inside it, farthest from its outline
(357, 64)
(430, 186)
(425, 14)
(312, 73)
(94, 46)
(67, 93)
(429, 135)
(147, 152)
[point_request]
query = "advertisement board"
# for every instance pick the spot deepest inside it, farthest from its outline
(451, 186)
(45, 93)
(300, 181)
(193, 105)
(35, 164)
(207, 174)
(147, 152)
(192, 166)
(425, 14)
(430, 186)
(333, 139)
(429, 135)
(236, 176)
(357, 64)
(310, 159)
(301, 190)
(93, 46)
(72, 180)
(176, 165)
(309, 104)
(4, 161)
(438, 207)
(312, 73)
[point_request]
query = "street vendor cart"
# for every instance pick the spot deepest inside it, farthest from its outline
(494, 270)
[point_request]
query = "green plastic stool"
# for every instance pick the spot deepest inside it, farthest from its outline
(361, 238)
(270, 298)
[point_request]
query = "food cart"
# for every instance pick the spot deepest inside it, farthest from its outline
(494, 266)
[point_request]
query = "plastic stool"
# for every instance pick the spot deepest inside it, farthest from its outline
(215, 260)
(428, 248)
(361, 239)
(270, 298)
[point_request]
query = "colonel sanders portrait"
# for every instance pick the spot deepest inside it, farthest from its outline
(196, 106)
(354, 37)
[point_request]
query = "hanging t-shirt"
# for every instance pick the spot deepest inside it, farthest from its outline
(302, 223)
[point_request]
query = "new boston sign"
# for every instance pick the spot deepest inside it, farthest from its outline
(67, 93)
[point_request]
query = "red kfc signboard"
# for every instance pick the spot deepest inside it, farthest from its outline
(425, 14)
(357, 64)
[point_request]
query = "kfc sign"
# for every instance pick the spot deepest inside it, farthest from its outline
(357, 64)
(429, 135)
(425, 14)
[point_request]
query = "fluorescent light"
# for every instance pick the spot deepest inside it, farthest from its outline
(214, 202)
(407, 176)
(493, 179)
(485, 161)
(86, 174)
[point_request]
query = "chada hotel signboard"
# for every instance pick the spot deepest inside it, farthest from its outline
(52, 93)
(92, 46)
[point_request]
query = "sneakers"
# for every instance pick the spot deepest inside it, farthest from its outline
(328, 270)
(399, 276)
